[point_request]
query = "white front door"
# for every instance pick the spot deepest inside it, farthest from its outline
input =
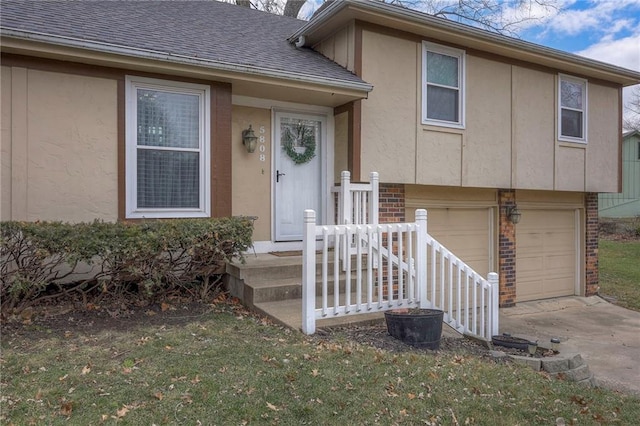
(298, 173)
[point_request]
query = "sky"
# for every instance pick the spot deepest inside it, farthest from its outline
(605, 30)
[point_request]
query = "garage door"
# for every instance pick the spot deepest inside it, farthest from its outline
(546, 254)
(466, 232)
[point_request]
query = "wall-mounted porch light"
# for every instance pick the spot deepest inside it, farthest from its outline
(249, 139)
(514, 214)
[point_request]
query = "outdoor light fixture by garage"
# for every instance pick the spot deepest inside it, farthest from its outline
(249, 139)
(514, 214)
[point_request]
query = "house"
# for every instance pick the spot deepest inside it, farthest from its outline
(133, 110)
(626, 203)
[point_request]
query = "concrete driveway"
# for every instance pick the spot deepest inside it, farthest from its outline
(607, 336)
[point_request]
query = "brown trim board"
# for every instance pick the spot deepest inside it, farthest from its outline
(620, 139)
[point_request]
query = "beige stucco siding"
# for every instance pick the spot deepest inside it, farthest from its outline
(389, 115)
(487, 142)
(62, 147)
(570, 167)
(438, 157)
(592, 166)
(251, 177)
(5, 144)
(603, 139)
(509, 139)
(533, 127)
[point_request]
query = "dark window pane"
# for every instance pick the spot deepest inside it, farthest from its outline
(168, 179)
(442, 104)
(571, 123)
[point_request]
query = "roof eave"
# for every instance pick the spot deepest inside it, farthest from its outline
(455, 32)
(249, 70)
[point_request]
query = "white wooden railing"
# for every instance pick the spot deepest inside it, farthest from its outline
(366, 268)
(357, 205)
(357, 202)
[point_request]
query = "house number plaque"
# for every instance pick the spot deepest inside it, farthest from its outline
(262, 148)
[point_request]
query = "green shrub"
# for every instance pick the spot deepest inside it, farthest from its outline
(44, 260)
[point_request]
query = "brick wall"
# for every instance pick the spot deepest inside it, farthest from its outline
(591, 243)
(391, 210)
(391, 202)
(507, 250)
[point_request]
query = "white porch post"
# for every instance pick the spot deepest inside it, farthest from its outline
(309, 273)
(345, 196)
(421, 257)
(373, 202)
(346, 213)
(495, 302)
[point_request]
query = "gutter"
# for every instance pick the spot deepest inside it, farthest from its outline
(460, 30)
(181, 59)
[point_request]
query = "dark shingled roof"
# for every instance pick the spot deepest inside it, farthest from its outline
(208, 31)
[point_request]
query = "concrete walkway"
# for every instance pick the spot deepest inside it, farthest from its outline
(607, 336)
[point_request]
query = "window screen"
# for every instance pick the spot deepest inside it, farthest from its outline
(168, 178)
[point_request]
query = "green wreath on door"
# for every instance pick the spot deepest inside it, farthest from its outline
(299, 136)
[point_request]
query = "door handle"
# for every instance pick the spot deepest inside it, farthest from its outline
(278, 174)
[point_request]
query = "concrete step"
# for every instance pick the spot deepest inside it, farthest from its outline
(256, 271)
(266, 278)
(266, 291)
(285, 289)
(269, 268)
(289, 314)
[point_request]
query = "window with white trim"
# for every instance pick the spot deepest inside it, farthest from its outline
(167, 149)
(443, 85)
(572, 109)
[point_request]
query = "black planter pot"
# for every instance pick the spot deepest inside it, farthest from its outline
(418, 327)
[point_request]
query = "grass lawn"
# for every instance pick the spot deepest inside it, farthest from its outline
(619, 263)
(225, 367)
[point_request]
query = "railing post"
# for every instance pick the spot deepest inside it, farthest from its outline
(345, 196)
(421, 257)
(309, 273)
(346, 215)
(495, 302)
(373, 201)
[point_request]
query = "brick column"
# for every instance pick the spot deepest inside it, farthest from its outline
(391, 210)
(391, 202)
(507, 249)
(591, 243)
